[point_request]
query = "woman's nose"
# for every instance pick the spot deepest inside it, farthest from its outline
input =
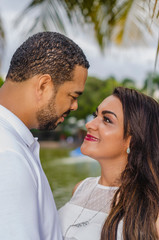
(93, 124)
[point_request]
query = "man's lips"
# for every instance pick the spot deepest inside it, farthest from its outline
(65, 115)
(89, 137)
(62, 118)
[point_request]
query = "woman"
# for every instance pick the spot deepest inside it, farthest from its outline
(123, 203)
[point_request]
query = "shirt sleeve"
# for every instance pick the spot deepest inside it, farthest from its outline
(19, 216)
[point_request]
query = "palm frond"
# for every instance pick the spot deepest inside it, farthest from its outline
(155, 15)
(47, 11)
(119, 21)
(2, 40)
(154, 9)
(99, 14)
(156, 57)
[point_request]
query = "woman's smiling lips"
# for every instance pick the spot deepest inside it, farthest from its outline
(89, 137)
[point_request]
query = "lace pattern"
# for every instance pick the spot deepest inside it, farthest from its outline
(101, 197)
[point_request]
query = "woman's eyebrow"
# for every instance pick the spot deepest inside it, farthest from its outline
(107, 111)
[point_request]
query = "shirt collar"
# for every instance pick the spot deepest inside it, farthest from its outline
(18, 126)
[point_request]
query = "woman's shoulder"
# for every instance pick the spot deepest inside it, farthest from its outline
(85, 182)
(76, 186)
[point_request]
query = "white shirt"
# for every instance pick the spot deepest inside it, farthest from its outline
(27, 207)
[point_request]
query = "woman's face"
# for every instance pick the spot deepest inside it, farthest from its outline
(104, 139)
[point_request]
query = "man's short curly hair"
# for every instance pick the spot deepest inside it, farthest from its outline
(46, 53)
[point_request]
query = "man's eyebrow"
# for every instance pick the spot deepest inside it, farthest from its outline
(106, 111)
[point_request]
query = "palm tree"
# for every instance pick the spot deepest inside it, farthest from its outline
(118, 21)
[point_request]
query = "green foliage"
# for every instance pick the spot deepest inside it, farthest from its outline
(129, 83)
(48, 155)
(151, 83)
(95, 91)
(63, 173)
(1, 81)
(154, 77)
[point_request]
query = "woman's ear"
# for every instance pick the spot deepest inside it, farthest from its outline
(128, 140)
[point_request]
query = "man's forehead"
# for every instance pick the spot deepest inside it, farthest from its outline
(80, 74)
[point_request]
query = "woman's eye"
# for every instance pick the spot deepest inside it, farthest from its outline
(106, 119)
(94, 114)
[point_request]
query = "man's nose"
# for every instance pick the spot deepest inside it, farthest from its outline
(74, 105)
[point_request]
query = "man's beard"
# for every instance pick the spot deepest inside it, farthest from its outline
(47, 117)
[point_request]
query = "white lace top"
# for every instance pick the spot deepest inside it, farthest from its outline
(82, 218)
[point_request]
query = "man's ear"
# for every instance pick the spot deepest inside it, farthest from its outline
(44, 86)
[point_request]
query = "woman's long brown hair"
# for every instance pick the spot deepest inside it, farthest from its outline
(136, 202)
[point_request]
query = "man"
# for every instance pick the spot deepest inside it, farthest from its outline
(47, 74)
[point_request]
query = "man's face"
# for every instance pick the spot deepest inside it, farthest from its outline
(63, 101)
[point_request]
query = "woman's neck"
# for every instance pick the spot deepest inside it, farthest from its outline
(106, 181)
(111, 173)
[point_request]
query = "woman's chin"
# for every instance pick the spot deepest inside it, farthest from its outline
(84, 151)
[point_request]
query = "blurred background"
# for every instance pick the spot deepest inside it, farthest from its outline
(121, 41)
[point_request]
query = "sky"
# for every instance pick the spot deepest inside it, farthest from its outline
(133, 62)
